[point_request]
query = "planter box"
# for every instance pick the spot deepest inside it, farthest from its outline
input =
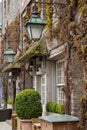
(59, 122)
(5, 114)
(14, 121)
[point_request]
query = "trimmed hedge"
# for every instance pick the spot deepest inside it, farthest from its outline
(28, 104)
(54, 107)
(9, 101)
(60, 109)
(51, 106)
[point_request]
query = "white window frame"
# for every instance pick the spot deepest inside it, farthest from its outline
(43, 89)
(60, 96)
(34, 82)
(60, 77)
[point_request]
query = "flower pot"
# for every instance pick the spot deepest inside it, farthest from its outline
(26, 124)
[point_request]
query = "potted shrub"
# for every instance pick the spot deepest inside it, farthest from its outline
(27, 106)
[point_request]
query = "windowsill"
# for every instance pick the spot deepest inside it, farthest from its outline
(60, 85)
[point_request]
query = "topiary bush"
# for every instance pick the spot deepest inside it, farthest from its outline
(54, 107)
(51, 106)
(9, 101)
(28, 104)
(60, 109)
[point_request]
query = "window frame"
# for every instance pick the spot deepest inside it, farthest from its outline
(60, 76)
(60, 96)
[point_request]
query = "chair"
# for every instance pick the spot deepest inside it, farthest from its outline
(36, 125)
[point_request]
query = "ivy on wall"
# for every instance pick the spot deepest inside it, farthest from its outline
(49, 20)
(12, 35)
(49, 13)
(68, 30)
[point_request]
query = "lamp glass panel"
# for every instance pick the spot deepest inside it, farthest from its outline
(29, 32)
(9, 59)
(35, 31)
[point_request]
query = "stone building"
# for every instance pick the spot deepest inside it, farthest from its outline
(58, 76)
(55, 69)
(11, 34)
(11, 10)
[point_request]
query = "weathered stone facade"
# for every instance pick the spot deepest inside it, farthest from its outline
(12, 20)
(10, 10)
(78, 84)
(60, 46)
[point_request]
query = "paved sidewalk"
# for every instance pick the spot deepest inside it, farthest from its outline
(5, 126)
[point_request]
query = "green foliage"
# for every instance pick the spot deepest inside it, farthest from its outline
(9, 101)
(49, 12)
(83, 6)
(3, 101)
(83, 112)
(54, 107)
(28, 104)
(51, 106)
(38, 49)
(60, 108)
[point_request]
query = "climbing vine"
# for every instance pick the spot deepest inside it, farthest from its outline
(12, 35)
(49, 13)
(75, 34)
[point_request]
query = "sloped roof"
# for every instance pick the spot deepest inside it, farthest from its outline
(35, 50)
(11, 66)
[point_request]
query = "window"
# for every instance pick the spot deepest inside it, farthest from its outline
(60, 80)
(60, 96)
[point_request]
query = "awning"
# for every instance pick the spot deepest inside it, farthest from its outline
(11, 66)
(37, 49)
(56, 53)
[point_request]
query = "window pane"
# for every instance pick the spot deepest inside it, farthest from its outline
(60, 96)
(60, 73)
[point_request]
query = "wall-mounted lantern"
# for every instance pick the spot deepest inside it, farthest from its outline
(9, 55)
(35, 26)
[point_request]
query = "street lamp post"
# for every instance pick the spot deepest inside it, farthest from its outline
(9, 58)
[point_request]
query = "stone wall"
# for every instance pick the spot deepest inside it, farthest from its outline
(78, 84)
(10, 9)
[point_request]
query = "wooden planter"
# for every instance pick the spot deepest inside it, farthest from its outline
(59, 122)
(5, 114)
(19, 127)
(26, 124)
(14, 121)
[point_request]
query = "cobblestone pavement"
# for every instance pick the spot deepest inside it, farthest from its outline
(5, 126)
